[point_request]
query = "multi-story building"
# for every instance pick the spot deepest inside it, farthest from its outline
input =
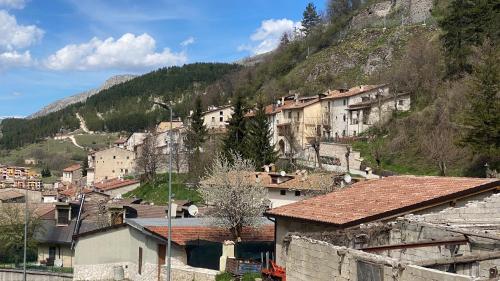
(216, 118)
(72, 175)
(298, 122)
(110, 163)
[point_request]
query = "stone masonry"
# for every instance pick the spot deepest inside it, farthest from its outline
(309, 259)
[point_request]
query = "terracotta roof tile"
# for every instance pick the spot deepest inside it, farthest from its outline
(183, 234)
(72, 168)
(10, 194)
(380, 198)
(114, 184)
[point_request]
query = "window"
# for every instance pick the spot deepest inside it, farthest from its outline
(289, 115)
(114, 157)
(343, 133)
(128, 157)
(344, 118)
(297, 192)
(221, 113)
(283, 192)
(345, 101)
(354, 133)
(401, 102)
(113, 171)
(221, 119)
(63, 216)
(213, 119)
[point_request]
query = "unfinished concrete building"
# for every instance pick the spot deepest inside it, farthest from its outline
(453, 244)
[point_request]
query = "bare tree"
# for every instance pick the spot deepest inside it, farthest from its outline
(290, 137)
(238, 200)
(150, 156)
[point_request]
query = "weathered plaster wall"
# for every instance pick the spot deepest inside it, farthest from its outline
(309, 259)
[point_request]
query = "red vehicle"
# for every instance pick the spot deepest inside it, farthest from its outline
(275, 272)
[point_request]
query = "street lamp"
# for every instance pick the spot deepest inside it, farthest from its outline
(169, 245)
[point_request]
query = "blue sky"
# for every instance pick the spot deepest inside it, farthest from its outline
(50, 49)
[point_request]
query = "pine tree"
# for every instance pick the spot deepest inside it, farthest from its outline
(466, 24)
(482, 119)
(258, 141)
(236, 130)
(197, 132)
(310, 19)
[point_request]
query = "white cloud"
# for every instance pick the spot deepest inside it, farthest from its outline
(187, 42)
(14, 59)
(267, 37)
(15, 36)
(13, 4)
(129, 52)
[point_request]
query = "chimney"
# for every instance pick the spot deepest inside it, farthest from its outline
(63, 213)
(296, 97)
(282, 101)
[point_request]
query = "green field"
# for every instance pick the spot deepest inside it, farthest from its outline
(157, 191)
(96, 141)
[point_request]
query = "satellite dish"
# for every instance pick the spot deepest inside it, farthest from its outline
(193, 210)
(347, 178)
(283, 173)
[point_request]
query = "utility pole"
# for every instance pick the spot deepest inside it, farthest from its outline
(169, 244)
(25, 231)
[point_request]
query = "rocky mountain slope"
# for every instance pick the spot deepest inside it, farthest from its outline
(62, 103)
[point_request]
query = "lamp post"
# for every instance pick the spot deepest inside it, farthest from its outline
(25, 231)
(169, 244)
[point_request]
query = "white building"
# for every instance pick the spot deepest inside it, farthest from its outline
(217, 117)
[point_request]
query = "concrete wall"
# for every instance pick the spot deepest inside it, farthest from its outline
(34, 196)
(97, 254)
(188, 273)
(309, 259)
(277, 199)
(17, 275)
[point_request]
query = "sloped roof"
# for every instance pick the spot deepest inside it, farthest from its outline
(182, 235)
(72, 168)
(114, 184)
(9, 194)
(381, 198)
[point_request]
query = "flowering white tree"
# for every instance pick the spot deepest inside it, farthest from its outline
(239, 200)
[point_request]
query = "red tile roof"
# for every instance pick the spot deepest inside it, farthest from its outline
(114, 184)
(181, 235)
(375, 199)
(72, 168)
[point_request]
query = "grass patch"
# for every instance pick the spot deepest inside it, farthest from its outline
(157, 190)
(224, 276)
(96, 141)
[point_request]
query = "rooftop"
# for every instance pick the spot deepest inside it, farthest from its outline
(9, 194)
(381, 198)
(72, 168)
(114, 184)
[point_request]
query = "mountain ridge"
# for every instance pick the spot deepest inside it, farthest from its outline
(80, 97)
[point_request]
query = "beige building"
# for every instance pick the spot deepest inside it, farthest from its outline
(216, 118)
(111, 163)
(72, 175)
(298, 122)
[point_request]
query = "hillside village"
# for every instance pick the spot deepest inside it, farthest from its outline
(380, 171)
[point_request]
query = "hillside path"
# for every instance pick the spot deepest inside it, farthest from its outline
(83, 126)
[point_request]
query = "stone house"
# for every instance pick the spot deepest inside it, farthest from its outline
(165, 125)
(457, 243)
(216, 118)
(139, 246)
(375, 200)
(110, 163)
(135, 140)
(72, 175)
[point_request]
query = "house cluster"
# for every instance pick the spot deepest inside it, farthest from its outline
(402, 227)
(20, 178)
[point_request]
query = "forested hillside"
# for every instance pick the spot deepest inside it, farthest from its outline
(124, 107)
(444, 53)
